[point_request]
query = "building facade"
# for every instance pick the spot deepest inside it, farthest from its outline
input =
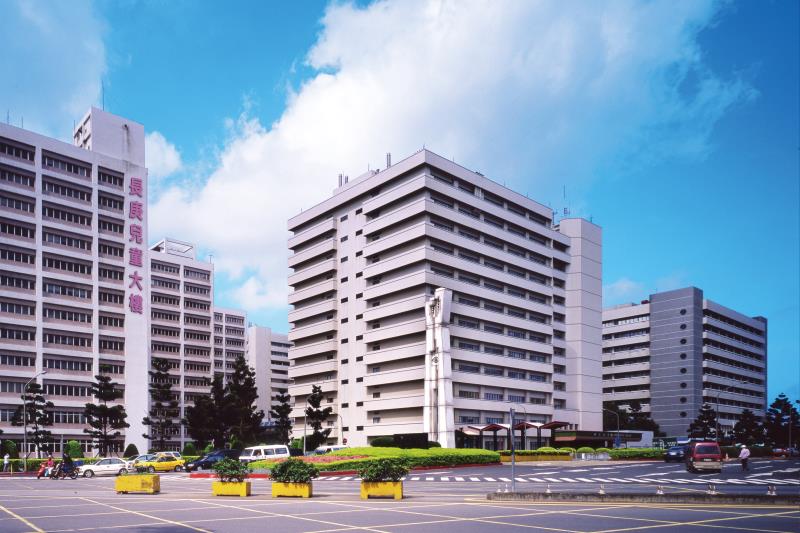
(268, 355)
(678, 350)
(74, 284)
(181, 325)
(429, 299)
(230, 338)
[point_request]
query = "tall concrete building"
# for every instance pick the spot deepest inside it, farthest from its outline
(74, 284)
(678, 350)
(429, 299)
(181, 326)
(230, 338)
(268, 355)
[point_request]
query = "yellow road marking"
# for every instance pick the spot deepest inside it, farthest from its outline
(164, 520)
(24, 521)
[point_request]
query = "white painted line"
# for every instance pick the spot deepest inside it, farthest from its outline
(331, 478)
(568, 480)
(618, 480)
(429, 479)
(601, 480)
(346, 478)
(415, 479)
(459, 478)
(553, 480)
(489, 479)
(474, 479)
(445, 479)
(521, 479)
(577, 470)
(545, 473)
(604, 468)
(585, 480)
(504, 479)
(536, 479)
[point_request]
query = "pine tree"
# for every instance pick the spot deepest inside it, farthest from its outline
(204, 420)
(38, 413)
(315, 417)
(705, 425)
(163, 408)
(748, 429)
(241, 395)
(640, 421)
(280, 414)
(105, 420)
(780, 415)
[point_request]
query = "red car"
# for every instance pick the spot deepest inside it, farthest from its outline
(703, 456)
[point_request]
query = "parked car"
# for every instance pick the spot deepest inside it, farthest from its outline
(208, 461)
(161, 463)
(322, 450)
(176, 455)
(703, 455)
(784, 452)
(140, 458)
(110, 466)
(674, 453)
(264, 451)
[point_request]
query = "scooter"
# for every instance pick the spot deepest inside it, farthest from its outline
(61, 472)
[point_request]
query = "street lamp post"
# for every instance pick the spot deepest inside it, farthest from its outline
(716, 402)
(615, 413)
(25, 420)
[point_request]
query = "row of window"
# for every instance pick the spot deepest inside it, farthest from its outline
(16, 177)
(12, 149)
(628, 320)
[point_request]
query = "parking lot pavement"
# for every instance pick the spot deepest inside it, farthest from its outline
(185, 504)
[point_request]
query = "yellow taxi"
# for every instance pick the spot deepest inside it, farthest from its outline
(161, 463)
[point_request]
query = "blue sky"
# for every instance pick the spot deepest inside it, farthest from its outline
(674, 125)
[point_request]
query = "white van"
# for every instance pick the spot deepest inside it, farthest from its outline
(258, 453)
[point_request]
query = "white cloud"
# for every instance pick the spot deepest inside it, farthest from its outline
(162, 158)
(53, 60)
(622, 291)
(535, 94)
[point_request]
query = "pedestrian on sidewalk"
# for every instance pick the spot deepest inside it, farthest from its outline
(744, 455)
(6, 462)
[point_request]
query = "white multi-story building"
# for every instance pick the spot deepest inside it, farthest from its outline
(74, 284)
(230, 339)
(181, 324)
(429, 299)
(268, 355)
(678, 350)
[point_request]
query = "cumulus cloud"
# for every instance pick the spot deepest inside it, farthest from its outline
(534, 94)
(53, 60)
(162, 158)
(623, 290)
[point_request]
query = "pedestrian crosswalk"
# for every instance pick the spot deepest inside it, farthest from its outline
(559, 480)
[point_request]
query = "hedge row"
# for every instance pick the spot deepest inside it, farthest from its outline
(534, 452)
(412, 458)
(636, 453)
(34, 464)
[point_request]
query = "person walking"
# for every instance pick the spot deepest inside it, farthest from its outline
(6, 462)
(744, 455)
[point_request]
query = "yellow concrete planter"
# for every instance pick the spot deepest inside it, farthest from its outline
(382, 489)
(291, 490)
(148, 483)
(231, 488)
(531, 458)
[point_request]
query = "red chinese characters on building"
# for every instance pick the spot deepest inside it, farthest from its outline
(136, 236)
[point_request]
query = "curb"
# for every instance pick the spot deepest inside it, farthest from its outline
(760, 499)
(261, 475)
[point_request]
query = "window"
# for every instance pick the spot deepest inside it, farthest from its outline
(343, 259)
(359, 380)
(493, 396)
(342, 218)
(343, 239)
(376, 420)
(345, 382)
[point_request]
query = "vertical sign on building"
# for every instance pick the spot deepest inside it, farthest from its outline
(135, 252)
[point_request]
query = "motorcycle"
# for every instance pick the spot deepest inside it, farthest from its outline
(62, 472)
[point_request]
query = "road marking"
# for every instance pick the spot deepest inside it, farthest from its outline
(601, 480)
(584, 479)
(536, 479)
(521, 479)
(415, 479)
(346, 478)
(474, 479)
(331, 478)
(23, 520)
(151, 517)
(504, 479)
(604, 468)
(489, 479)
(445, 479)
(618, 480)
(459, 478)
(577, 470)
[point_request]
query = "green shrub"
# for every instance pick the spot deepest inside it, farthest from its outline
(74, 449)
(383, 469)
(296, 443)
(382, 442)
(230, 470)
(130, 450)
(10, 448)
(189, 449)
(602, 450)
(585, 449)
(567, 449)
(636, 453)
(208, 449)
(293, 471)
(433, 444)
(546, 449)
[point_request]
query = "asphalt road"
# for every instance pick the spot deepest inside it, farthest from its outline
(431, 505)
